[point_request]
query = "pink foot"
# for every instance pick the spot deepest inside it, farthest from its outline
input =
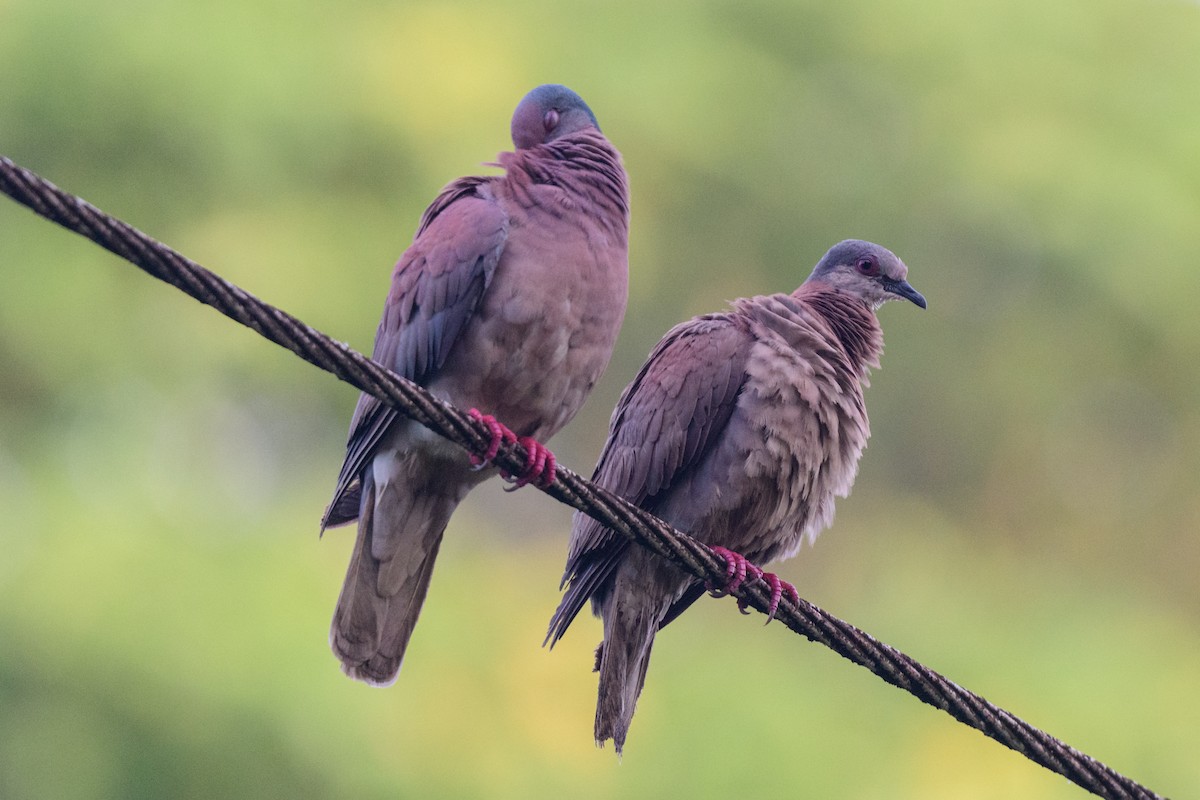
(539, 468)
(778, 587)
(500, 435)
(737, 568)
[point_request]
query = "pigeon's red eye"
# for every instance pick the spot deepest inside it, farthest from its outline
(550, 121)
(867, 266)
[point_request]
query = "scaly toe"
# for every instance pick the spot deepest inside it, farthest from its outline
(791, 592)
(549, 472)
(499, 433)
(779, 587)
(754, 573)
(535, 461)
(736, 566)
(776, 592)
(540, 465)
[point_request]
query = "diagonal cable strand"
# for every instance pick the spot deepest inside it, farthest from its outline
(79, 216)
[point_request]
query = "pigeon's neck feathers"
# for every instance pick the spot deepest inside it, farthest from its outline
(583, 164)
(820, 322)
(850, 318)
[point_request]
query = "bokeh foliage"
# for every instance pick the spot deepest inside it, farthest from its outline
(1025, 519)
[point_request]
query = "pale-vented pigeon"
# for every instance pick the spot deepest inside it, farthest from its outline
(509, 300)
(741, 429)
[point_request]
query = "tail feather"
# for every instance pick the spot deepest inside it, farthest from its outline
(399, 534)
(589, 582)
(622, 659)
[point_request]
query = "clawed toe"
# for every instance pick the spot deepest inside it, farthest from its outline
(540, 468)
(778, 588)
(499, 433)
(737, 569)
(732, 560)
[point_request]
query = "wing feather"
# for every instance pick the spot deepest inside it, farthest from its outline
(436, 288)
(665, 423)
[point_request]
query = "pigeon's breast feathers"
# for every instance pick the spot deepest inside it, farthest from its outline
(803, 398)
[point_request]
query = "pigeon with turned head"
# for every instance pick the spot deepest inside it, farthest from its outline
(741, 429)
(508, 302)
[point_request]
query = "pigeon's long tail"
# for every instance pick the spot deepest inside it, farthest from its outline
(399, 532)
(622, 661)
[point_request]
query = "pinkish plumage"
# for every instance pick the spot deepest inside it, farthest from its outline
(741, 429)
(509, 300)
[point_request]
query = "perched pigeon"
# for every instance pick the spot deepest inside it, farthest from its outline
(508, 300)
(740, 429)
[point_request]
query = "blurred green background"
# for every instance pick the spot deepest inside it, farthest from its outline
(1025, 519)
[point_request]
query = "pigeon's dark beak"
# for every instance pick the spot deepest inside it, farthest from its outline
(904, 289)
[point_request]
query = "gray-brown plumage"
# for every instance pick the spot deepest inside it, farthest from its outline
(509, 300)
(741, 429)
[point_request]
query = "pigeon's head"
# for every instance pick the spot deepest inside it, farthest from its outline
(866, 270)
(549, 112)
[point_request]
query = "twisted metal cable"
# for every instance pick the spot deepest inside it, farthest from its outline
(79, 216)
